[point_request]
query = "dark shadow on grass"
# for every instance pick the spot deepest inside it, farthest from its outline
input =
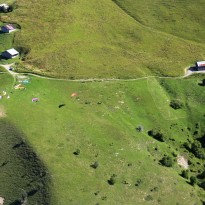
(61, 105)
(16, 202)
(192, 69)
(189, 183)
(25, 169)
(3, 58)
(202, 141)
(4, 163)
(32, 192)
(18, 145)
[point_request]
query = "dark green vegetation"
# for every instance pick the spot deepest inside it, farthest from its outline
(100, 126)
(176, 104)
(23, 178)
(91, 38)
(167, 161)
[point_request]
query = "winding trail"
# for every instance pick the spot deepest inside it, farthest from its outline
(14, 74)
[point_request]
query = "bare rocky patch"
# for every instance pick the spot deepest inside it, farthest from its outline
(1, 200)
(182, 161)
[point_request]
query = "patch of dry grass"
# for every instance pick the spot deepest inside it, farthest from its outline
(2, 111)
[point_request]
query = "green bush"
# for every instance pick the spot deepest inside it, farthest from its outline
(186, 145)
(185, 174)
(77, 152)
(140, 128)
(138, 182)
(176, 104)
(167, 161)
(157, 134)
(95, 165)
(202, 185)
(197, 150)
(112, 180)
(193, 180)
(202, 175)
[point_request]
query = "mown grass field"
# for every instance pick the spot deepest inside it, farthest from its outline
(101, 121)
(98, 39)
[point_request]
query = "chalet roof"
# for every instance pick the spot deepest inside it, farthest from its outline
(201, 64)
(12, 51)
(4, 5)
(9, 27)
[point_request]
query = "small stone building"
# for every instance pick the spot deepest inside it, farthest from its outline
(200, 65)
(4, 7)
(8, 28)
(11, 53)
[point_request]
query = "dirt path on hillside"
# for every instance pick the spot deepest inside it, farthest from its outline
(14, 74)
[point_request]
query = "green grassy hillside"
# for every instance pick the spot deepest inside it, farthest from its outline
(181, 18)
(88, 39)
(114, 142)
(101, 122)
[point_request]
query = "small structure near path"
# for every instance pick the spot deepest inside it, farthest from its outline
(4, 7)
(11, 53)
(8, 28)
(35, 99)
(200, 66)
(19, 87)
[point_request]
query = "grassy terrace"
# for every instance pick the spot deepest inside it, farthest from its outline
(82, 39)
(101, 122)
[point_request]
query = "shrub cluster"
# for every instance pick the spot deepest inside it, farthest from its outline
(112, 179)
(157, 134)
(167, 161)
(176, 104)
(94, 165)
(197, 150)
(185, 174)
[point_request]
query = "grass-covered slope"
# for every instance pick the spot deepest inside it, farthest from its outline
(23, 177)
(90, 38)
(101, 122)
(183, 18)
